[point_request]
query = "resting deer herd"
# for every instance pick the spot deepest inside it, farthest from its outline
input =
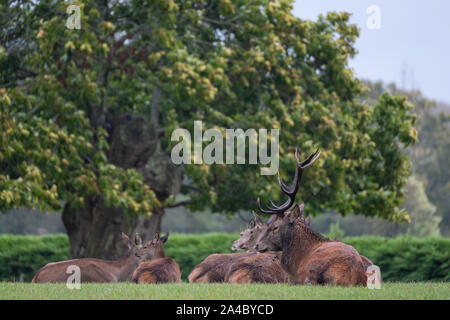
(285, 249)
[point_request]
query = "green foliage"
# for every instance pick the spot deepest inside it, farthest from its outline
(233, 64)
(335, 231)
(424, 218)
(22, 256)
(435, 145)
(407, 258)
(430, 154)
(400, 259)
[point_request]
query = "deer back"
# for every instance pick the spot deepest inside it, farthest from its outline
(92, 269)
(260, 268)
(215, 267)
(160, 270)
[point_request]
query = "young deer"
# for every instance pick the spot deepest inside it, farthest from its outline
(246, 267)
(248, 237)
(216, 266)
(307, 256)
(157, 268)
(96, 270)
(260, 268)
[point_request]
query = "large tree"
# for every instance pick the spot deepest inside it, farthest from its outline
(430, 154)
(86, 115)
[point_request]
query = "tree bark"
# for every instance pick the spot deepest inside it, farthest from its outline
(94, 231)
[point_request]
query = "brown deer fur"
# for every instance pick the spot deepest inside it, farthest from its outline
(95, 270)
(215, 267)
(159, 268)
(309, 257)
(245, 267)
(248, 239)
(260, 268)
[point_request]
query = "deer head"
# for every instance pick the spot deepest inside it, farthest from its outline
(135, 246)
(270, 238)
(154, 248)
(248, 236)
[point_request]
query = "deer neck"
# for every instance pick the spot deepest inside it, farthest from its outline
(297, 243)
(159, 252)
(126, 266)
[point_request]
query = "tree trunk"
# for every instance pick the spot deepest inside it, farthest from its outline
(94, 231)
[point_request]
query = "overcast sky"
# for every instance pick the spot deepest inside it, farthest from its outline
(411, 48)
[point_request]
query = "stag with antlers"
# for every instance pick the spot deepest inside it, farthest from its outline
(307, 256)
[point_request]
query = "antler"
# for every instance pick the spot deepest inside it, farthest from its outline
(292, 190)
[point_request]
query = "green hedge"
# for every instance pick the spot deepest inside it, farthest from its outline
(400, 259)
(22, 256)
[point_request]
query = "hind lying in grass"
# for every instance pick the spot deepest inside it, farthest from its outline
(158, 268)
(96, 270)
(243, 267)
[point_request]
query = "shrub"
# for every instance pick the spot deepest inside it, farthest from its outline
(400, 259)
(22, 256)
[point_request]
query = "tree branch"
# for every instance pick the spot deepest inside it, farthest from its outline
(179, 204)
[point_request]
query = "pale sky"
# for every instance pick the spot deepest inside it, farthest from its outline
(414, 36)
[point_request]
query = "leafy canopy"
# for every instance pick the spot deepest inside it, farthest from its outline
(232, 64)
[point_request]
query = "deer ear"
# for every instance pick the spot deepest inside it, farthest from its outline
(292, 217)
(308, 221)
(272, 218)
(127, 240)
(258, 219)
(156, 237)
(301, 208)
(137, 239)
(164, 239)
(295, 213)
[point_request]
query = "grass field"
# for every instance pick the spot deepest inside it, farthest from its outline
(222, 291)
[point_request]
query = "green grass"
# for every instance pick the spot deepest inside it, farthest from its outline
(388, 291)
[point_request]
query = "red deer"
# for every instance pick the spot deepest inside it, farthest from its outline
(96, 270)
(260, 268)
(216, 266)
(306, 255)
(157, 268)
(247, 267)
(248, 237)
